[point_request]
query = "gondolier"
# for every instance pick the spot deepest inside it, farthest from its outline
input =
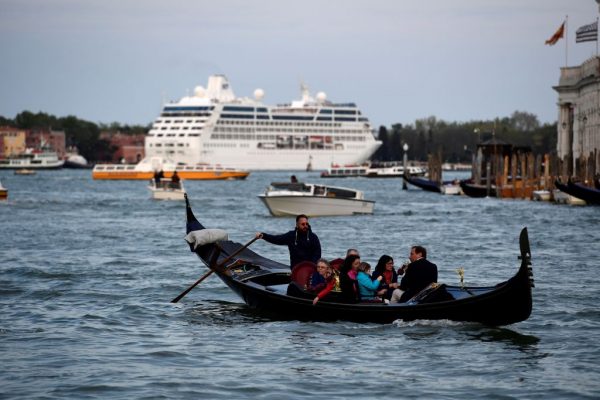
(303, 244)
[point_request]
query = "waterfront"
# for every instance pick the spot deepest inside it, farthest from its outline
(89, 267)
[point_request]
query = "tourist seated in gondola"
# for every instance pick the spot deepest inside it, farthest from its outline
(419, 274)
(368, 288)
(348, 283)
(323, 280)
(385, 269)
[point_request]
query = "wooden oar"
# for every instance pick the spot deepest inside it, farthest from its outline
(206, 275)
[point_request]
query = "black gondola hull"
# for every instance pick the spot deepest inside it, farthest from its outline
(265, 285)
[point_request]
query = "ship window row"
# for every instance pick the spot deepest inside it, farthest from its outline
(188, 108)
(221, 129)
(279, 123)
(295, 138)
(168, 145)
(180, 121)
(220, 145)
(198, 114)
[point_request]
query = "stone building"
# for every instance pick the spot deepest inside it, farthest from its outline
(12, 141)
(579, 113)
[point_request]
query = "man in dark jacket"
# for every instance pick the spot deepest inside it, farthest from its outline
(302, 243)
(419, 273)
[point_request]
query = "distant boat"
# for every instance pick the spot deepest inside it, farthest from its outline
(3, 192)
(561, 195)
(291, 199)
(43, 159)
(391, 169)
(541, 195)
(146, 168)
(77, 161)
(167, 190)
(474, 190)
(24, 171)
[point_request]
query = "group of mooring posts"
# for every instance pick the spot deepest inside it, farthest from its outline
(514, 172)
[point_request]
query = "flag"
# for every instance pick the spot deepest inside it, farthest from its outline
(557, 35)
(587, 33)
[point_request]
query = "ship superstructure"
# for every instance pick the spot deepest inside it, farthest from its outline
(214, 126)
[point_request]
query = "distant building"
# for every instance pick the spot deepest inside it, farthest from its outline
(579, 110)
(129, 148)
(12, 141)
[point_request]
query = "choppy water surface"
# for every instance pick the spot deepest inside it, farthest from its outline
(88, 269)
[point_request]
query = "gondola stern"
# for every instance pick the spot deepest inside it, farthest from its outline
(526, 256)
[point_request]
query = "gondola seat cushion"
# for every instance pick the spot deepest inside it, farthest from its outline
(205, 236)
(302, 272)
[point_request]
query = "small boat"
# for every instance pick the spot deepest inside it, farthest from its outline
(541, 195)
(562, 195)
(33, 159)
(291, 199)
(425, 184)
(3, 192)
(269, 286)
(391, 169)
(167, 189)
(474, 190)
(451, 188)
(77, 161)
(585, 193)
(145, 170)
(24, 171)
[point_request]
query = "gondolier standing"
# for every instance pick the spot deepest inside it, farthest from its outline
(302, 243)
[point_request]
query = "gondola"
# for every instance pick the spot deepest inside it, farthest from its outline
(267, 285)
(588, 194)
(474, 190)
(425, 184)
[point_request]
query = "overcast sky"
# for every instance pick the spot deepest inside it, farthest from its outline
(459, 60)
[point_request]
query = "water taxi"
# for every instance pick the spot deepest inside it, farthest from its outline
(291, 199)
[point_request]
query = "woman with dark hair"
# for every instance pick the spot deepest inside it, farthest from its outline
(385, 269)
(348, 283)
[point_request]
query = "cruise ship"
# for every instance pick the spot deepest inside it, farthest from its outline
(215, 127)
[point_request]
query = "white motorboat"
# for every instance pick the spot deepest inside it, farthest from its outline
(451, 189)
(3, 192)
(291, 199)
(561, 197)
(167, 190)
(541, 195)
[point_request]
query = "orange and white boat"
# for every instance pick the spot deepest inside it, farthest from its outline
(146, 168)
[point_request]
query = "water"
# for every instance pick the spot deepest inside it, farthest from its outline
(87, 270)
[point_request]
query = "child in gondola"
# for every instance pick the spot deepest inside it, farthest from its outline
(368, 288)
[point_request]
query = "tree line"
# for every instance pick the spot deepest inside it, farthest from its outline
(457, 141)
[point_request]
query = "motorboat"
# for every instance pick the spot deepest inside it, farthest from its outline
(291, 199)
(270, 287)
(3, 192)
(541, 195)
(166, 189)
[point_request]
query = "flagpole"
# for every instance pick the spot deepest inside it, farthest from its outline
(567, 41)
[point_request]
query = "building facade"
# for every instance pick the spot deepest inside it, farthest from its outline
(12, 141)
(579, 110)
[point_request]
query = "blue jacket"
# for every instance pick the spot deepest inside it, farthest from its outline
(366, 286)
(302, 247)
